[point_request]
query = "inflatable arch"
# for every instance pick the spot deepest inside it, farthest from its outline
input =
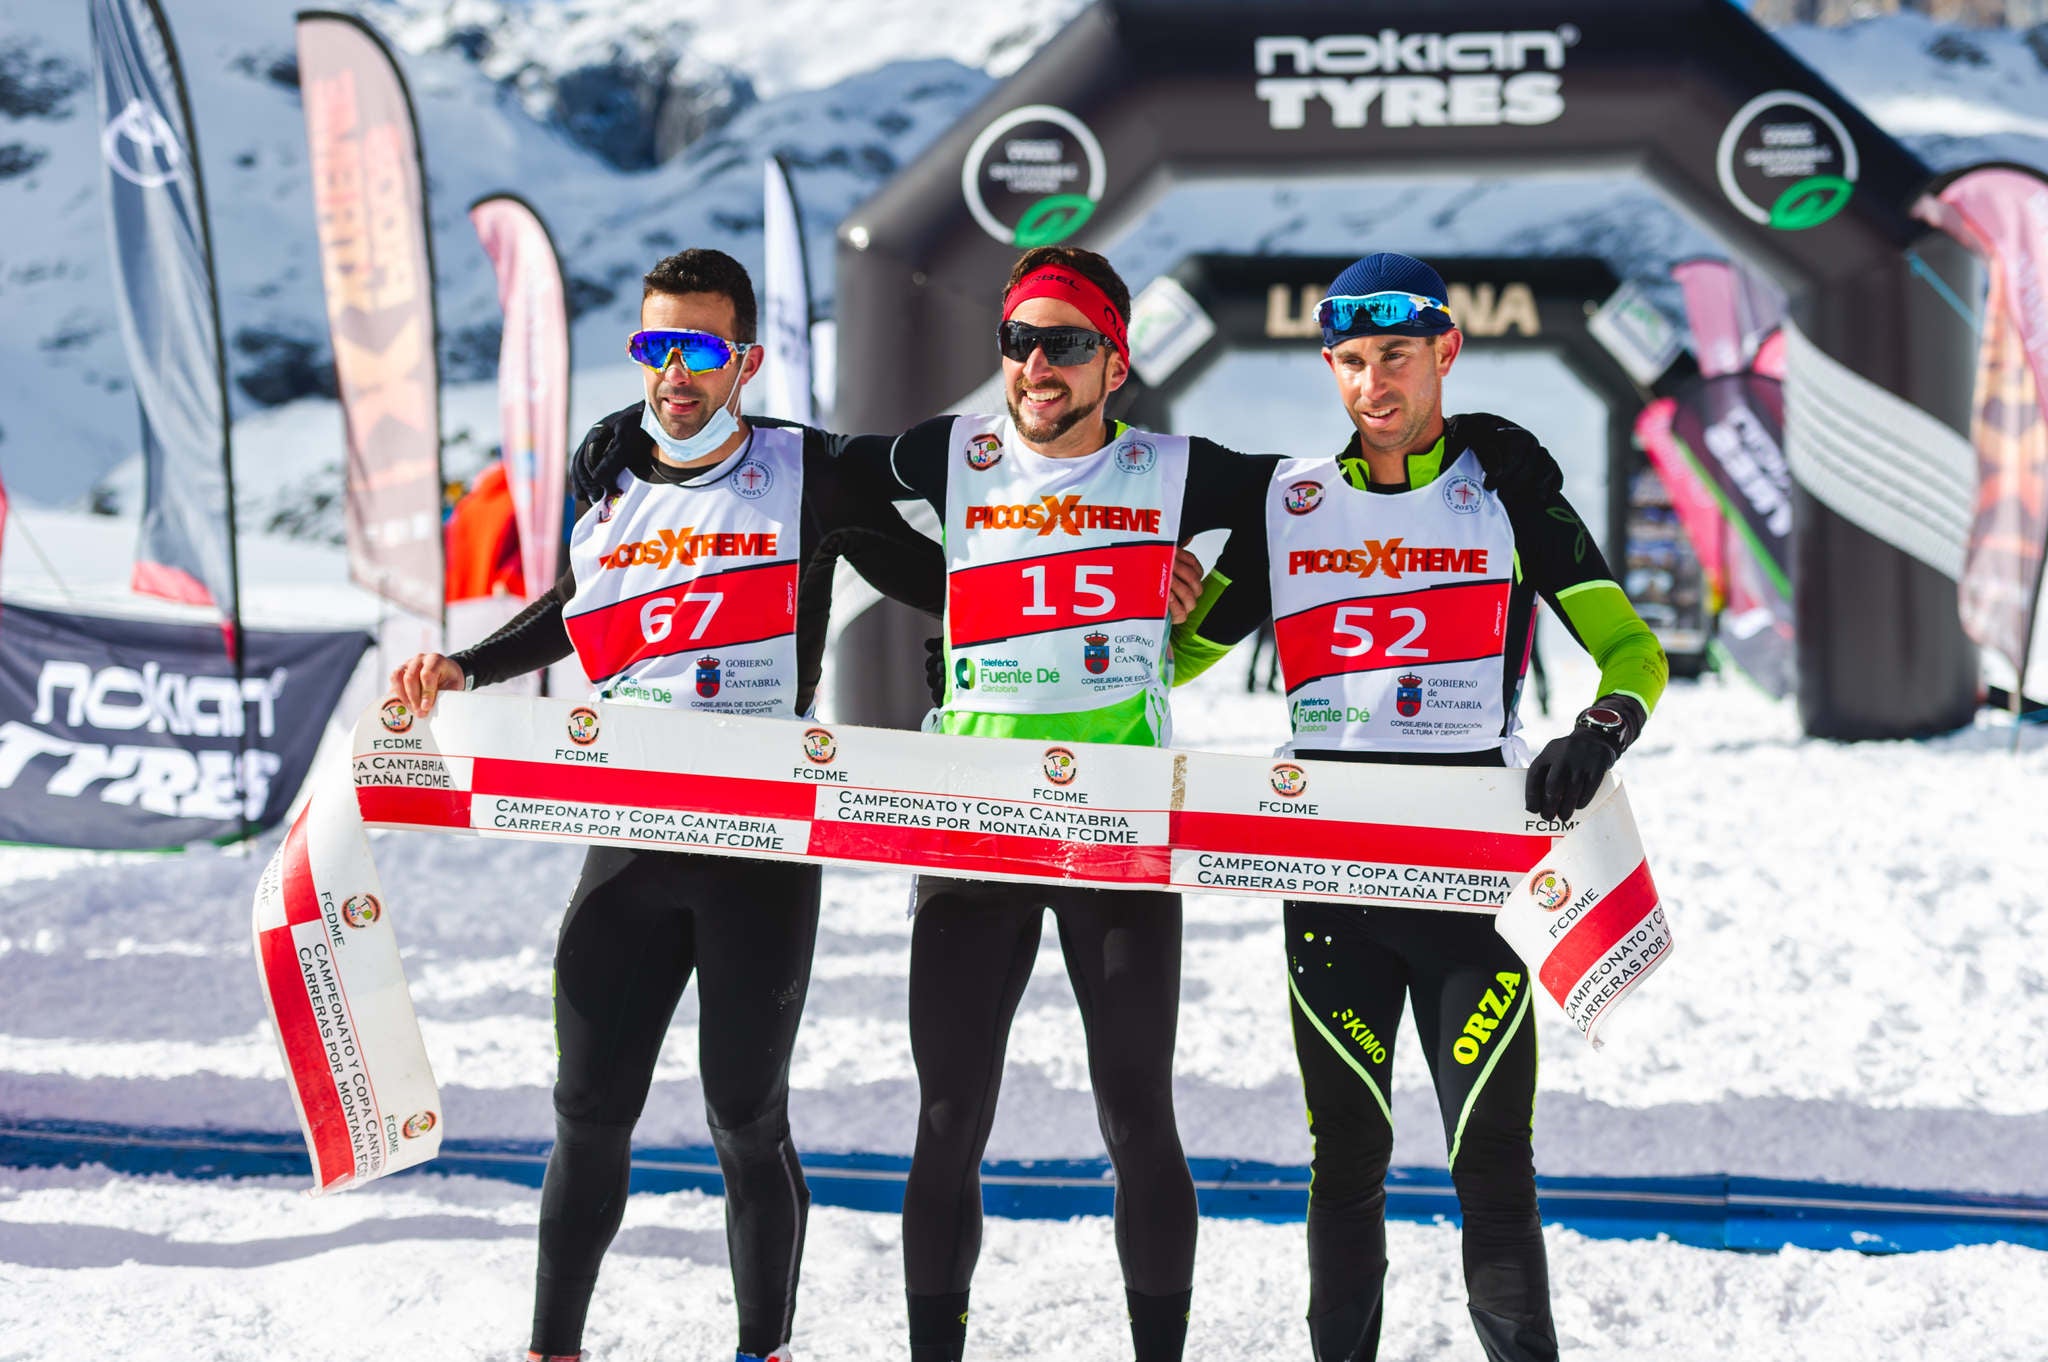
(1535, 303)
(1689, 95)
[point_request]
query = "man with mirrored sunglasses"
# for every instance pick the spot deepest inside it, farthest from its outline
(1067, 602)
(699, 577)
(1061, 536)
(1402, 581)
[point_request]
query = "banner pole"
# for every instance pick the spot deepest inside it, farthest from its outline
(227, 457)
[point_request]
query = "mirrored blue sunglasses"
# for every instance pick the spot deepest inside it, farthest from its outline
(701, 351)
(1344, 312)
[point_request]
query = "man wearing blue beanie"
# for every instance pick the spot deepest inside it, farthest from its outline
(1402, 578)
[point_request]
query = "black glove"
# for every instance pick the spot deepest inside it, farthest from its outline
(1514, 462)
(595, 467)
(935, 670)
(1567, 772)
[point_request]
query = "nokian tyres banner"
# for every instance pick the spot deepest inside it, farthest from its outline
(376, 265)
(127, 735)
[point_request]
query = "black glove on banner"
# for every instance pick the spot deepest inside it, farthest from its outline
(1566, 773)
(935, 670)
(1514, 461)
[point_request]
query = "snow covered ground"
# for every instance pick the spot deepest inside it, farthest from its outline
(1857, 996)
(1858, 993)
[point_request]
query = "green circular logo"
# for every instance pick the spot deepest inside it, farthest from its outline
(1810, 202)
(1052, 219)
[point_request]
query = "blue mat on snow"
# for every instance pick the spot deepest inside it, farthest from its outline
(1708, 1211)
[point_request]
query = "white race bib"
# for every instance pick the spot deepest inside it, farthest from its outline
(1058, 571)
(1391, 609)
(686, 595)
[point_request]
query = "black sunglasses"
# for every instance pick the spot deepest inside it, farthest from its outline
(1064, 346)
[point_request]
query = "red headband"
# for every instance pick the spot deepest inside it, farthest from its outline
(1056, 281)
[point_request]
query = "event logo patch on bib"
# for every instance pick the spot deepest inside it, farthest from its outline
(819, 746)
(1551, 890)
(1289, 780)
(583, 725)
(984, 452)
(1136, 457)
(360, 910)
(751, 480)
(395, 715)
(1060, 767)
(1303, 497)
(1462, 494)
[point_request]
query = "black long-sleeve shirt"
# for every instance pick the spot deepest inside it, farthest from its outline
(1224, 488)
(843, 514)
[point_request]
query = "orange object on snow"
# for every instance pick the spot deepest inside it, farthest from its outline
(483, 541)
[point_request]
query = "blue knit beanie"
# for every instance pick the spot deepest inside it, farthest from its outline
(1389, 272)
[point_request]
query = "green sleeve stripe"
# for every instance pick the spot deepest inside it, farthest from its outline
(1213, 587)
(1595, 585)
(1193, 654)
(1630, 658)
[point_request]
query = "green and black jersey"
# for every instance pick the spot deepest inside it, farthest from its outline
(1555, 559)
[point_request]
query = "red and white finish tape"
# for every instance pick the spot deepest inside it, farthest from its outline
(1587, 919)
(1118, 817)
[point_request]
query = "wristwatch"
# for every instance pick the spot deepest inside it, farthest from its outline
(1607, 722)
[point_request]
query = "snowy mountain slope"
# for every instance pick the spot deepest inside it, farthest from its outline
(61, 381)
(553, 97)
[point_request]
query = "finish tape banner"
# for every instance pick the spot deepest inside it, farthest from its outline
(982, 808)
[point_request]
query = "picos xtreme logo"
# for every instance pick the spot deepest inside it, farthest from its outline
(686, 546)
(1388, 558)
(1068, 514)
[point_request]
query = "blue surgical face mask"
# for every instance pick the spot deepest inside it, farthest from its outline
(723, 425)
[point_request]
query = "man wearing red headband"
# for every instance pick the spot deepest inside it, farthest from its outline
(1061, 535)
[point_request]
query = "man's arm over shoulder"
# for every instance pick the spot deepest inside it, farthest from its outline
(1511, 458)
(1226, 490)
(606, 450)
(913, 463)
(859, 522)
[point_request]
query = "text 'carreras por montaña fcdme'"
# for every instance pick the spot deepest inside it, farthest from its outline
(1493, 78)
